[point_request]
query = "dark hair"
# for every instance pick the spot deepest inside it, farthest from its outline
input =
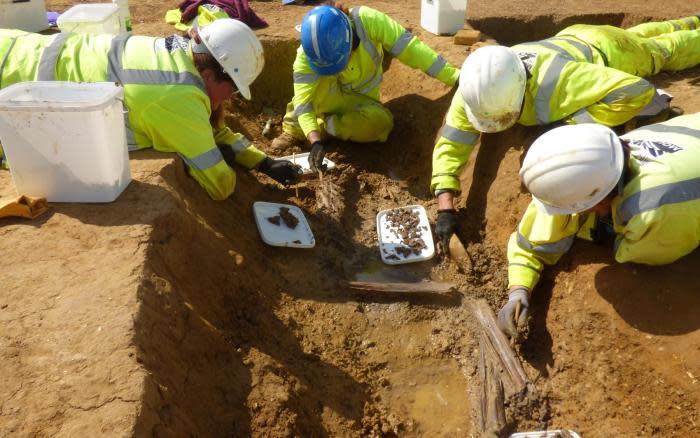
(204, 61)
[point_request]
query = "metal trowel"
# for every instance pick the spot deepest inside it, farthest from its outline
(459, 254)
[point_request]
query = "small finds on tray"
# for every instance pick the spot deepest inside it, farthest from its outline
(404, 224)
(288, 218)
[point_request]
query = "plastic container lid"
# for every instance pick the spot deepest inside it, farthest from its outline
(59, 96)
(88, 13)
(280, 234)
(302, 160)
(389, 241)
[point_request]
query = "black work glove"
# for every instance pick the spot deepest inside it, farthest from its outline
(445, 226)
(318, 152)
(506, 316)
(283, 171)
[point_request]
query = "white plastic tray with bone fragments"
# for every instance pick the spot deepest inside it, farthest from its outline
(281, 235)
(389, 241)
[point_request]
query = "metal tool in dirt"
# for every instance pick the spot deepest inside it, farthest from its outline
(267, 129)
(458, 254)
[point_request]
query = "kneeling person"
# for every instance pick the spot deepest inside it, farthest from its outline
(642, 188)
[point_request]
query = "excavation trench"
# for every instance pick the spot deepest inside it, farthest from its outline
(231, 337)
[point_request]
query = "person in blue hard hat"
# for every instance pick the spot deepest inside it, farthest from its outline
(337, 73)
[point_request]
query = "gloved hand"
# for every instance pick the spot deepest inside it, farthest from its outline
(318, 152)
(283, 171)
(506, 316)
(445, 226)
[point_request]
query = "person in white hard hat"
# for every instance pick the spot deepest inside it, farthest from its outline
(642, 189)
(173, 90)
(585, 74)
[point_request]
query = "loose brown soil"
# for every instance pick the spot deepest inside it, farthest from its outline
(164, 314)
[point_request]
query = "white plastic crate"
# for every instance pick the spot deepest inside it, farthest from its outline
(442, 17)
(28, 15)
(65, 141)
(92, 18)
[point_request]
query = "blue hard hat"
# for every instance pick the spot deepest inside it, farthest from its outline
(326, 37)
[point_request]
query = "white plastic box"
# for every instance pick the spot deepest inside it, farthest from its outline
(442, 17)
(92, 18)
(24, 15)
(65, 141)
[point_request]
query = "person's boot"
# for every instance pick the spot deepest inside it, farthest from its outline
(284, 142)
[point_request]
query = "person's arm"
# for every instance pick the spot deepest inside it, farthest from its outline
(179, 122)
(455, 143)
(590, 93)
(407, 48)
(245, 153)
(305, 83)
(539, 240)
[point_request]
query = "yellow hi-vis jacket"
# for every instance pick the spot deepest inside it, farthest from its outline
(168, 107)
(585, 74)
(656, 216)
(206, 14)
(363, 74)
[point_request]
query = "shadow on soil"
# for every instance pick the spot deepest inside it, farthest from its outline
(209, 297)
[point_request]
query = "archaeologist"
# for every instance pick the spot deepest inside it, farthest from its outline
(337, 77)
(640, 190)
(173, 90)
(585, 74)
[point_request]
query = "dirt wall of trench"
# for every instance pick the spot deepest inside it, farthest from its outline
(213, 333)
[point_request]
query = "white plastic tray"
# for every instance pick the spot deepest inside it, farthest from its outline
(302, 160)
(281, 235)
(388, 241)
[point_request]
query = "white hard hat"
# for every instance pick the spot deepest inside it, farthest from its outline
(572, 168)
(236, 47)
(492, 83)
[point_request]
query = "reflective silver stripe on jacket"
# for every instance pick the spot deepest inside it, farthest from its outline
(558, 247)
(117, 73)
(458, 136)
(663, 51)
(371, 85)
(690, 22)
(546, 88)
(684, 130)
(49, 57)
(240, 145)
(436, 66)
(620, 94)
(549, 45)
(4, 58)
(302, 78)
(676, 26)
(583, 116)
(656, 197)
(204, 161)
(401, 43)
(581, 46)
(303, 109)
(369, 47)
